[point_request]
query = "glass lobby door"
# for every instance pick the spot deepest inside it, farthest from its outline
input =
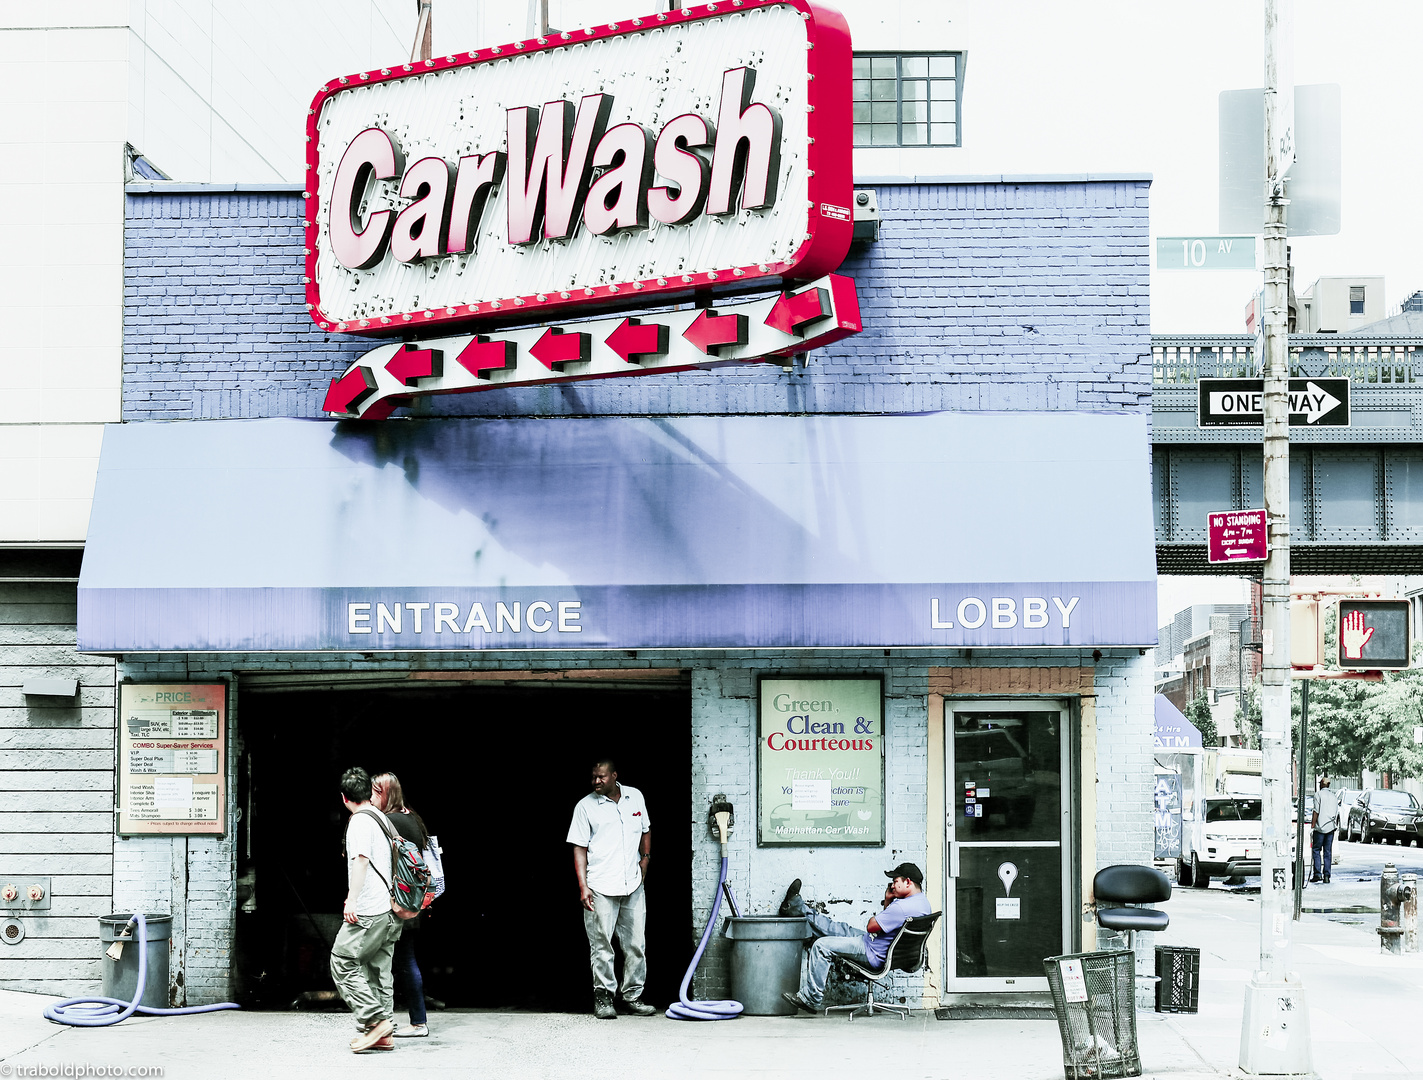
(1007, 828)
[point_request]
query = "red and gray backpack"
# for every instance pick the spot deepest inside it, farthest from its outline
(411, 887)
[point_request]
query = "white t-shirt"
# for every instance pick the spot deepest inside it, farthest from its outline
(364, 836)
(612, 833)
(1326, 805)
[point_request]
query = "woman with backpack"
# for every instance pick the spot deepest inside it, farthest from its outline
(388, 795)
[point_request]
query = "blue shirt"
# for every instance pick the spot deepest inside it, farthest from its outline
(890, 920)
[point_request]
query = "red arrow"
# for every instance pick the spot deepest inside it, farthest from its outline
(634, 338)
(556, 349)
(482, 356)
(711, 332)
(411, 363)
(347, 392)
(794, 310)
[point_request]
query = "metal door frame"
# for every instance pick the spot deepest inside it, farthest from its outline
(999, 984)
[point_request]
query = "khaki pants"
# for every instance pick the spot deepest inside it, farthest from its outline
(360, 966)
(625, 916)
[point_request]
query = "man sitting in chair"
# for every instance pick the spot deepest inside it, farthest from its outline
(903, 899)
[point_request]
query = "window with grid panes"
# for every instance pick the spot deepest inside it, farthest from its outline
(907, 100)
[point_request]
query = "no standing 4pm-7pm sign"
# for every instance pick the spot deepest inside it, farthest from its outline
(1237, 536)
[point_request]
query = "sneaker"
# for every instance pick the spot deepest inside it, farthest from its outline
(372, 1035)
(800, 1003)
(412, 1031)
(383, 1044)
(603, 1007)
(792, 891)
(638, 1007)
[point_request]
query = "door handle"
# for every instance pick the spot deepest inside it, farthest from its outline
(953, 858)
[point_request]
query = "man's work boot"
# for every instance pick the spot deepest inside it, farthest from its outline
(792, 891)
(603, 1007)
(638, 1007)
(800, 1003)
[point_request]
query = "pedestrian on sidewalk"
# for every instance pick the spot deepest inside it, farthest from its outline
(903, 900)
(361, 955)
(1325, 822)
(387, 794)
(612, 846)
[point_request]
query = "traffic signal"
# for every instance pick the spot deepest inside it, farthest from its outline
(1374, 634)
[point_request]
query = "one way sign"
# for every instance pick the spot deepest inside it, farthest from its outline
(1241, 403)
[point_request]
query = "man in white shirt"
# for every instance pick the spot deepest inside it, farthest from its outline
(361, 955)
(1325, 821)
(612, 844)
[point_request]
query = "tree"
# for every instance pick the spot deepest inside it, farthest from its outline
(1247, 717)
(1390, 713)
(1198, 712)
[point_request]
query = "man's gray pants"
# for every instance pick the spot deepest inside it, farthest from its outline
(625, 916)
(832, 938)
(360, 966)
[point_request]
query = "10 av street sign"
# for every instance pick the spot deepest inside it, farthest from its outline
(1241, 403)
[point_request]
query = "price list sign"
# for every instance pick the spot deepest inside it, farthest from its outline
(172, 758)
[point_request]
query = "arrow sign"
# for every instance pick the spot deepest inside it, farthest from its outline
(556, 349)
(1315, 402)
(482, 356)
(634, 338)
(711, 333)
(792, 311)
(346, 393)
(1241, 402)
(412, 363)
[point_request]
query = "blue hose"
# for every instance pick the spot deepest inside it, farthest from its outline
(686, 1008)
(103, 1011)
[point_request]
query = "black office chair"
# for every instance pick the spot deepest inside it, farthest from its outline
(1131, 885)
(909, 951)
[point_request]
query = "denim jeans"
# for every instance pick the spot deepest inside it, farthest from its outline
(625, 916)
(832, 938)
(407, 974)
(1323, 841)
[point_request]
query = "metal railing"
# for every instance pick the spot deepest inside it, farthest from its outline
(1179, 360)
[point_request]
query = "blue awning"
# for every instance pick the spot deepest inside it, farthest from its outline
(946, 529)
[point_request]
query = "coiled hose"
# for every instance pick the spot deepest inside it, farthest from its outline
(103, 1011)
(686, 1008)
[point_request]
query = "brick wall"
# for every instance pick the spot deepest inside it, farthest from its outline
(1003, 296)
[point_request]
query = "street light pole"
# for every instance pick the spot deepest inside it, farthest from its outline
(1274, 1037)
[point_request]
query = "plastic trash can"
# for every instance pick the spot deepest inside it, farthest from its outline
(1178, 979)
(766, 953)
(121, 975)
(1094, 997)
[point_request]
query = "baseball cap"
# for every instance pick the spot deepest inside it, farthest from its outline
(907, 870)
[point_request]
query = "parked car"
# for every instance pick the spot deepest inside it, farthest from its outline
(1380, 815)
(1347, 798)
(1224, 839)
(1308, 809)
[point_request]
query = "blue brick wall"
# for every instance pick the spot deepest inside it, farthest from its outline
(1002, 296)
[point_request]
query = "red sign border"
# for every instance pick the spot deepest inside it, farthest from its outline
(830, 182)
(1252, 559)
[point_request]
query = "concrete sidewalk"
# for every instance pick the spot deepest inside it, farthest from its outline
(1363, 1008)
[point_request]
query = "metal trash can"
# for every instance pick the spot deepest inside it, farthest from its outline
(1178, 979)
(766, 954)
(121, 975)
(1094, 996)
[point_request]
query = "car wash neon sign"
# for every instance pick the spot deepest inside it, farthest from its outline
(704, 151)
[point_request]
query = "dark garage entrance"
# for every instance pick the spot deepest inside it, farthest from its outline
(495, 772)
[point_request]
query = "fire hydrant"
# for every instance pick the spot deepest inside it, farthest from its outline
(1398, 911)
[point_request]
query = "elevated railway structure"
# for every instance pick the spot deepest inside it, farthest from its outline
(1356, 492)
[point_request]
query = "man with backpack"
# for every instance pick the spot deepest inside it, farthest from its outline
(361, 956)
